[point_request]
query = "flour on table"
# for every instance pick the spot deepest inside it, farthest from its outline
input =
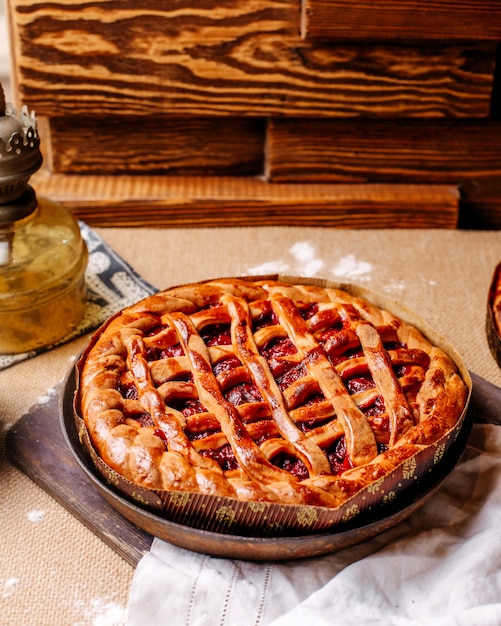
(47, 396)
(307, 262)
(352, 268)
(102, 612)
(9, 586)
(303, 262)
(269, 267)
(36, 515)
(395, 287)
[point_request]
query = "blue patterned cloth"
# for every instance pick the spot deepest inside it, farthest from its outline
(112, 284)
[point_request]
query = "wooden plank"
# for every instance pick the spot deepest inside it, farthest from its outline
(158, 145)
(224, 201)
(405, 20)
(466, 153)
(35, 444)
(232, 58)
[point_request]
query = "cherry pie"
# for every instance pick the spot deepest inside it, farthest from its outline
(260, 390)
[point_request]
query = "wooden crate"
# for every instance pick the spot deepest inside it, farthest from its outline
(320, 113)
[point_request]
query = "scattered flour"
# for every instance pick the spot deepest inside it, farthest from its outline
(351, 268)
(303, 262)
(101, 612)
(36, 515)
(395, 287)
(5, 426)
(305, 257)
(9, 587)
(46, 398)
(269, 267)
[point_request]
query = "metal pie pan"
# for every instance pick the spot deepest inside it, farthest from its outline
(254, 547)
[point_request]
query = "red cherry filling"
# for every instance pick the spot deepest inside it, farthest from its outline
(267, 317)
(160, 433)
(375, 409)
(278, 348)
(308, 310)
(156, 353)
(224, 456)
(192, 407)
(290, 464)
(293, 374)
(144, 419)
(338, 457)
(402, 370)
(155, 330)
(216, 335)
(128, 390)
(359, 384)
(226, 364)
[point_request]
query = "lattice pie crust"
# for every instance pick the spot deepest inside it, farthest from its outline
(260, 390)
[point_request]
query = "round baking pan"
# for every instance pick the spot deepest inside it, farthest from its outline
(262, 548)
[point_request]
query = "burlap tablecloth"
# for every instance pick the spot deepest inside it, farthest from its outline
(53, 570)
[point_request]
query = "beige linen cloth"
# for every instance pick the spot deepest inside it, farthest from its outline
(441, 567)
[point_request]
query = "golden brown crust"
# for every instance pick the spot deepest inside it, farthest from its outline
(348, 358)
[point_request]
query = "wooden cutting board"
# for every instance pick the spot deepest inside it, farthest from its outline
(36, 445)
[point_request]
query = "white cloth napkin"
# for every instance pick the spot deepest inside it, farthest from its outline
(441, 567)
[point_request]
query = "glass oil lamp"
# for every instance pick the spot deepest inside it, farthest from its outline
(42, 254)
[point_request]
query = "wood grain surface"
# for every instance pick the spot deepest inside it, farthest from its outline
(225, 146)
(234, 201)
(384, 151)
(465, 153)
(287, 126)
(405, 20)
(232, 57)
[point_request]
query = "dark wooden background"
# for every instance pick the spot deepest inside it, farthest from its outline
(314, 112)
